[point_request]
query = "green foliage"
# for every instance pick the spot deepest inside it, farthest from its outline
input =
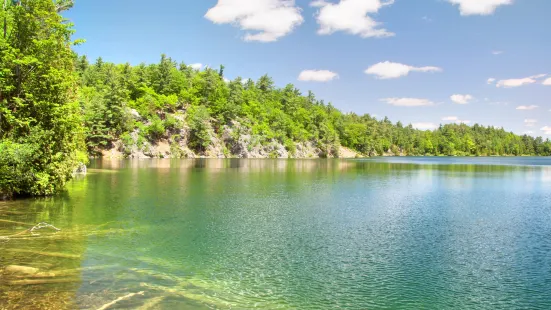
(291, 147)
(15, 169)
(41, 133)
(198, 118)
(285, 116)
(273, 154)
(127, 143)
(176, 150)
(156, 129)
(140, 141)
(172, 123)
(98, 135)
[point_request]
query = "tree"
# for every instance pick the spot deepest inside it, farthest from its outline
(41, 133)
(198, 118)
(95, 116)
(162, 93)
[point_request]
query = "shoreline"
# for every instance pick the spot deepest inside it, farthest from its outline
(341, 157)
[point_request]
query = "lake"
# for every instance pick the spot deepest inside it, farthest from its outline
(382, 233)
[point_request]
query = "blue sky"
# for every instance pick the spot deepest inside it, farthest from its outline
(423, 62)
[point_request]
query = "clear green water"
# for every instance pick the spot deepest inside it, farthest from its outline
(399, 233)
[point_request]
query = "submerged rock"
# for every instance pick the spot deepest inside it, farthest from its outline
(20, 270)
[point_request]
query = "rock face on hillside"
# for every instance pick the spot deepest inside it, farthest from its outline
(234, 141)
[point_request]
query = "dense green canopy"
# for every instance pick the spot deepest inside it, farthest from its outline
(157, 91)
(41, 130)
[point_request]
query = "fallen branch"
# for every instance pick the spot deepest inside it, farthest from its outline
(15, 222)
(39, 275)
(44, 281)
(189, 294)
(82, 269)
(11, 212)
(125, 297)
(152, 303)
(30, 230)
(162, 289)
(157, 275)
(7, 238)
(51, 254)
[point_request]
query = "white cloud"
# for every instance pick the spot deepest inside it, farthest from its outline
(264, 20)
(227, 80)
(351, 16)
(546, 130)
(408, 102)
(197, 66)
(318, 3)
(527, 107)
(427, 19)
(497, 52)
(450, 118)
(393, 70)
(519, 82)
(491, 80)
(461, 99)
(424, 126)
(547, 82)
(479, 7)
(455, 119)
(530, 122)
(317, 75)
(528, 132)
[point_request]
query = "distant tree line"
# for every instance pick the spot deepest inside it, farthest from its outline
(158, 91)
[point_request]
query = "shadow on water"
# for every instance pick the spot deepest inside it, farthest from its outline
(244, 233)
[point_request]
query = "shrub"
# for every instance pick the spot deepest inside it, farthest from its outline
(156, 128)
(176, 150)
(198, 118)
(172, 123)
(291, 147)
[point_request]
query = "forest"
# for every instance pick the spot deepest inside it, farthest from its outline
(57, 109)
(169, 96)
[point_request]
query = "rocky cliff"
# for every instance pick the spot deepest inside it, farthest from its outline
(233, 141)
